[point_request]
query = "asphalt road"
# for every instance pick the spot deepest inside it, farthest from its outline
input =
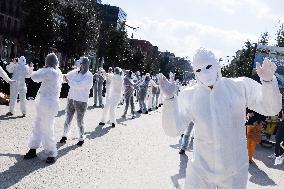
(134, 155)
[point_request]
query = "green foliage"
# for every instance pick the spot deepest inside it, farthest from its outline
(242, 64)
(79, 28)
(71, 27)
(264, 38)
(280, 36)
(116, 47)
(40, 28)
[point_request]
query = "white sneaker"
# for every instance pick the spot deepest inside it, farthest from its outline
(279, 160)
(272, 156)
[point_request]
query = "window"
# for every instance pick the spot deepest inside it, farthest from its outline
(9, 23)
(3, 5)
(11, 28)
(11, 7)
(1, 21)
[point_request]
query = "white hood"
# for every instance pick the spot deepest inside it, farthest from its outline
(22, 60)
(206, 68)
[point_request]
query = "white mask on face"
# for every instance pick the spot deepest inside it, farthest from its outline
(205, 67)
(22, 60)
(207, 75)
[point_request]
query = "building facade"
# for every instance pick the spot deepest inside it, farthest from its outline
(111, 16)
(10, 25)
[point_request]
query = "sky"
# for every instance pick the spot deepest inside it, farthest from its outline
(183, 26)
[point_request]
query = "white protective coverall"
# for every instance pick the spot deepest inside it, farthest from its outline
(80, 85)
(108, 81)
(4, 75)
(115, 94)
(220, 152)
(149, 97)
(47, 105)
(20, 72)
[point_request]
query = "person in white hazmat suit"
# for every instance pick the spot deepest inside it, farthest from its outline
(4, 75)
(115, 93)
(20, 72)
(187, 137)
(47, 105)
(217, 107)
(108, 75)
(80, 82)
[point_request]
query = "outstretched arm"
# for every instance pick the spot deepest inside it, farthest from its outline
(4, 75)
(176, 110)
(265, 99)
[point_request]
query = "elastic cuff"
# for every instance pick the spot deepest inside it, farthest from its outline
(273, 79)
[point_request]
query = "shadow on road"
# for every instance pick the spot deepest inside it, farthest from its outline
(23, 168)
(262, 154)
(182, 171)
(259, 177)
(60, 113)
(98, 132)
(121, 121)
(4, 117)
(177, 146)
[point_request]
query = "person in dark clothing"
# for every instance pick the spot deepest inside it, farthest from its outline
(279, 151)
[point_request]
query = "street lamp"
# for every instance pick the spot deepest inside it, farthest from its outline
(133, 28)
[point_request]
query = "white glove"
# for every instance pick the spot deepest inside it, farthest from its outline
(167, 88)
(172, 76)
(267, 70)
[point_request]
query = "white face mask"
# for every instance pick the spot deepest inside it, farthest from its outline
(22, 60)
(206, 67)
(207, 74)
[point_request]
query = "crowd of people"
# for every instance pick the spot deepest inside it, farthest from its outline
(121, 86)
(212, 106)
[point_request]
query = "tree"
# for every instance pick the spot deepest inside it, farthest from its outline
(138, 59)
(117, 50)
(264, 38)
(280, 36)
(242, 64)
(79, 28)
(40, 26)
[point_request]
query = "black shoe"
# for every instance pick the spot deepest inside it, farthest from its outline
(63, 140)
(113, 125)
(80, 143)
(101, 123)
(181, 151)
(139, 111)
(31, 154)
(156, 107)
(50, 160)
(9, 114)
(24, 115)
(160, 105)
(133, 116)
(150, 109)
(146, 112)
